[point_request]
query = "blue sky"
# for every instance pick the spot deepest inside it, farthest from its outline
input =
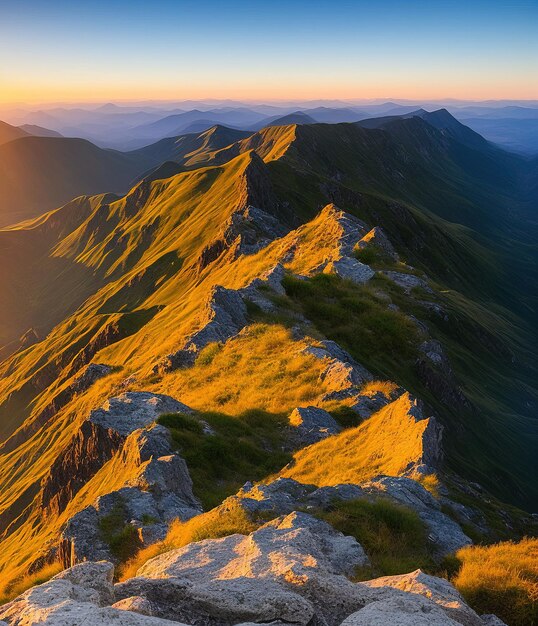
(54, 49)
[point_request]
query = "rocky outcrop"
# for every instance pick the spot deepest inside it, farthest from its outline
(80, 383)
(156, 484)
(311, 424)
(224, 316)
(445, 535)
(350, 269)
(247, 231)
(158, 489)
(98, 439)
(285, 495)
(292, 570)
(342, 373)
(404, 610)
(91, 447)
(407, 281)
(133, 410)
(377, 239)
(296, 553)
(439, 590)
(81, 595)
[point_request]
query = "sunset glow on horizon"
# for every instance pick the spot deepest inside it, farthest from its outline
(59, 51)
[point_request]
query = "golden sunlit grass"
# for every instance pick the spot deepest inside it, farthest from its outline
(386, 387)
(386, 443)
(221, 522)
(262, 368)
(501, 579)
(20, 585)
(430, 482)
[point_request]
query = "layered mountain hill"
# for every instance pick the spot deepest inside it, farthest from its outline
(306, 316)
(41, 173)
(9, 133)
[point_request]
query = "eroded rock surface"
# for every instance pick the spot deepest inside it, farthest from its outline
(310, 424)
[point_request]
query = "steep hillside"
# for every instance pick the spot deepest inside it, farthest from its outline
(303, 302)
(41, 173)
(191, 149)
(9, 133)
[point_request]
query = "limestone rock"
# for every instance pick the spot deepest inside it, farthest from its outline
(407, 281)
(218, 602)
(402, 610)
(438, 590)
(136, 604)
(61, 602)
(133, 410)
(311, 424)
(157, 488)
(224, 315)
(350, 269)
(97, 576)
(342, 373)
(300, 540)
(285, 495)
(298, 552)
(257, 290)
(365, 405)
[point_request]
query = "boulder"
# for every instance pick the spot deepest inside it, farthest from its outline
(311, 424)
(438, 590)
(297, 552)
(350, 269)
(62, 602)
(97, 576)
(133, 410)
(401, 610)
(219, 602)
(407, 281)
(136, 604)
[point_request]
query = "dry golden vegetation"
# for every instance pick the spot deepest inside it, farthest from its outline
(252, 371)
(21, 584)
(386, 443)
(501, 579)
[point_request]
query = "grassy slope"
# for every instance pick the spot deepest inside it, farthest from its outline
(145, 249)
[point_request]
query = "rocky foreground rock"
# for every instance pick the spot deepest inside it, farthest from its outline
(295, 569)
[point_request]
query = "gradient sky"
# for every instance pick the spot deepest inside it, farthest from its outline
(53, 50)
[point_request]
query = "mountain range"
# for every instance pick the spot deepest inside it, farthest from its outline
(285, 328)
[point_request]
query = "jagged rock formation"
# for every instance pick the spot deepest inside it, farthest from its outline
(156, 485)
(310, 424)
(285, 495)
